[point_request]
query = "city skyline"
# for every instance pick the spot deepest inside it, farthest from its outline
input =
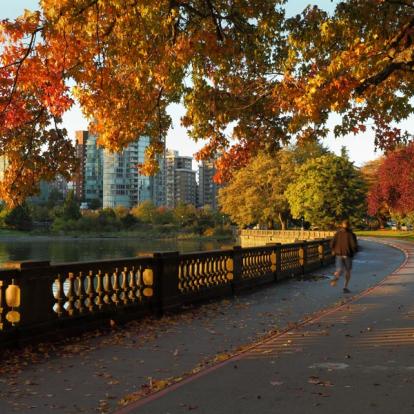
(360, 147)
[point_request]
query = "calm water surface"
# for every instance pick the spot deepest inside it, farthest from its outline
(79, 250)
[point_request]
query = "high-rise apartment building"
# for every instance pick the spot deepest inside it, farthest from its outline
(207, 188)
(81, 137)
(89, 178)
(158, 189)
(123, 185)
(181, 183)
(93, 171)
(113, 179)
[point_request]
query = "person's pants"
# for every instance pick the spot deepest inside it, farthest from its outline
(343, 263)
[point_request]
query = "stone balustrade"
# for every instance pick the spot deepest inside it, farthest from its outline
(250, 238)
(39, 300)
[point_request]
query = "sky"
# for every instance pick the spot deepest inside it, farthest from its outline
(360, 147)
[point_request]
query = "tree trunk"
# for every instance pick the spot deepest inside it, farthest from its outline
(282, 221)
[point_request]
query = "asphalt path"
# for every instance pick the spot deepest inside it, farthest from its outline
(356, 357)
(100, 372)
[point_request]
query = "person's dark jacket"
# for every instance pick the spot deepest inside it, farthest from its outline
(344, 243)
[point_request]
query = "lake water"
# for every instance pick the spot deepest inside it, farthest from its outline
(79, 250)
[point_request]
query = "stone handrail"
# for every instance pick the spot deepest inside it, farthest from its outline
(40, 300)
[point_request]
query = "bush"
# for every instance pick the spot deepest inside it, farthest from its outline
(145, 212)
(62, 225)
(129, 221)
(86, 223)
(19, 218)
(40, 213)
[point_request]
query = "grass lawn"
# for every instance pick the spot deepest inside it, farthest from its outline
(407, 235)
(13, 233)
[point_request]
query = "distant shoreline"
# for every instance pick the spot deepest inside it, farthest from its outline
(26, 237)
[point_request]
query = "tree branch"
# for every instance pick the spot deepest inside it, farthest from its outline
(19, 64)
(398, 60)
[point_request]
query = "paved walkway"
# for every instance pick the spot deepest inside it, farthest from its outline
(357, 357)
(98, 372)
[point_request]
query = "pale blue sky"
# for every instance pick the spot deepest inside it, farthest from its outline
(360, 147)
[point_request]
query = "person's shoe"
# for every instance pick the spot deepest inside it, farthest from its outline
(346, 290)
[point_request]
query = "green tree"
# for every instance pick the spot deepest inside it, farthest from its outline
(19, 218)
(40, 213)
(70, 209)
(327, 190)
(256, 193)
(55, 198)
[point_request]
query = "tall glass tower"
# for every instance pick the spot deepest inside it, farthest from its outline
(92, 184)
(123, 185)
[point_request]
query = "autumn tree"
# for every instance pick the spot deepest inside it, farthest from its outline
(256, 194)
(370, 171)
(356, 62)
(128, 61)
(145, 211)
(185, 214)
(327, 190)
(395, 183)
(250, 79)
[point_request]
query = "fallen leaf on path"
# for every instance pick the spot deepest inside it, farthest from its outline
(317, 381)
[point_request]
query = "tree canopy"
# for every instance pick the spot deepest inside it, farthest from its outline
(395, 183)
(250, 78)
(256, 194)
(370, 171)
(328, 190)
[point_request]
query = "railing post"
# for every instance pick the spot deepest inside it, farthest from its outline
(237, 267)
(275, 259)
(303, 256)
(278, 251)
(166, 281)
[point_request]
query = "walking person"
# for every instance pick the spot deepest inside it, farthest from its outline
(344, 246)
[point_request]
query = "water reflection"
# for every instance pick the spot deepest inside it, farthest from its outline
(77, 250)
